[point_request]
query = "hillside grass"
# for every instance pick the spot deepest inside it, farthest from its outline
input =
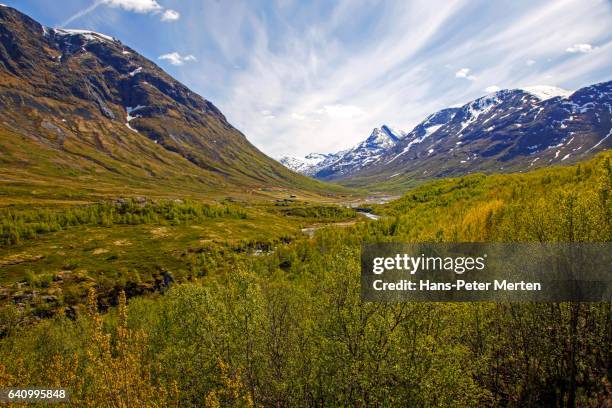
(37, 169)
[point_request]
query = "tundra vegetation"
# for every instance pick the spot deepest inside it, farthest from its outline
(228, 304)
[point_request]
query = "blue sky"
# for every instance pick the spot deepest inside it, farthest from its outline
(302, 76)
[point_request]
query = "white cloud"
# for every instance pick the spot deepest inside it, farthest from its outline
(177, 59)
(582, 48)
(170, 15)
(138, 6)
(298, 116)
(339, 111)
(465, 73)
(492, 88)
(530, 62)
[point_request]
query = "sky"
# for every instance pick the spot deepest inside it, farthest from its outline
(317, 76)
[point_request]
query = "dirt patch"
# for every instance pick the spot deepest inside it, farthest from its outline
(17, 259)
(99, 251)
(160, 232)
(122, 242)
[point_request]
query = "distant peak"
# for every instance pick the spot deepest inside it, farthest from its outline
(381, 137)
(544, 92)
(381, 133)
(378, 131)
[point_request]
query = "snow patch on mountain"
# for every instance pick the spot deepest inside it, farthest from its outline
(428, 131)
(479, 107)
(544, 92)
(135, 72)
(86, 34)
(601, 141)
(432, 129)
(129, 117)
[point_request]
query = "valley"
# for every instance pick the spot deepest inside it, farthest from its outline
(150, 255)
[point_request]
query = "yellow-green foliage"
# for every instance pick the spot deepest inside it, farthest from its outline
(289, 329)
(564, 204)
(107, 369)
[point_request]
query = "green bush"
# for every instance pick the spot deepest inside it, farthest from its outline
(21, 225)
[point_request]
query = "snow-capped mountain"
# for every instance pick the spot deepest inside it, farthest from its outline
(508, 130)
(346, 161)
(308, 164)
(362, 155)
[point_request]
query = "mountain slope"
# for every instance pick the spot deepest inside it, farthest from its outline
(84, 105)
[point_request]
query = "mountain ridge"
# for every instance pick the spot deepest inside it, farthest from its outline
(507, 130)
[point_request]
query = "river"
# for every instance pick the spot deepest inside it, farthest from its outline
(369, 215)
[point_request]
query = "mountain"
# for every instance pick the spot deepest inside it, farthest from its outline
(82, 109)
(509, 130)
(364, 154)
(308, 164)
(346, 162)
